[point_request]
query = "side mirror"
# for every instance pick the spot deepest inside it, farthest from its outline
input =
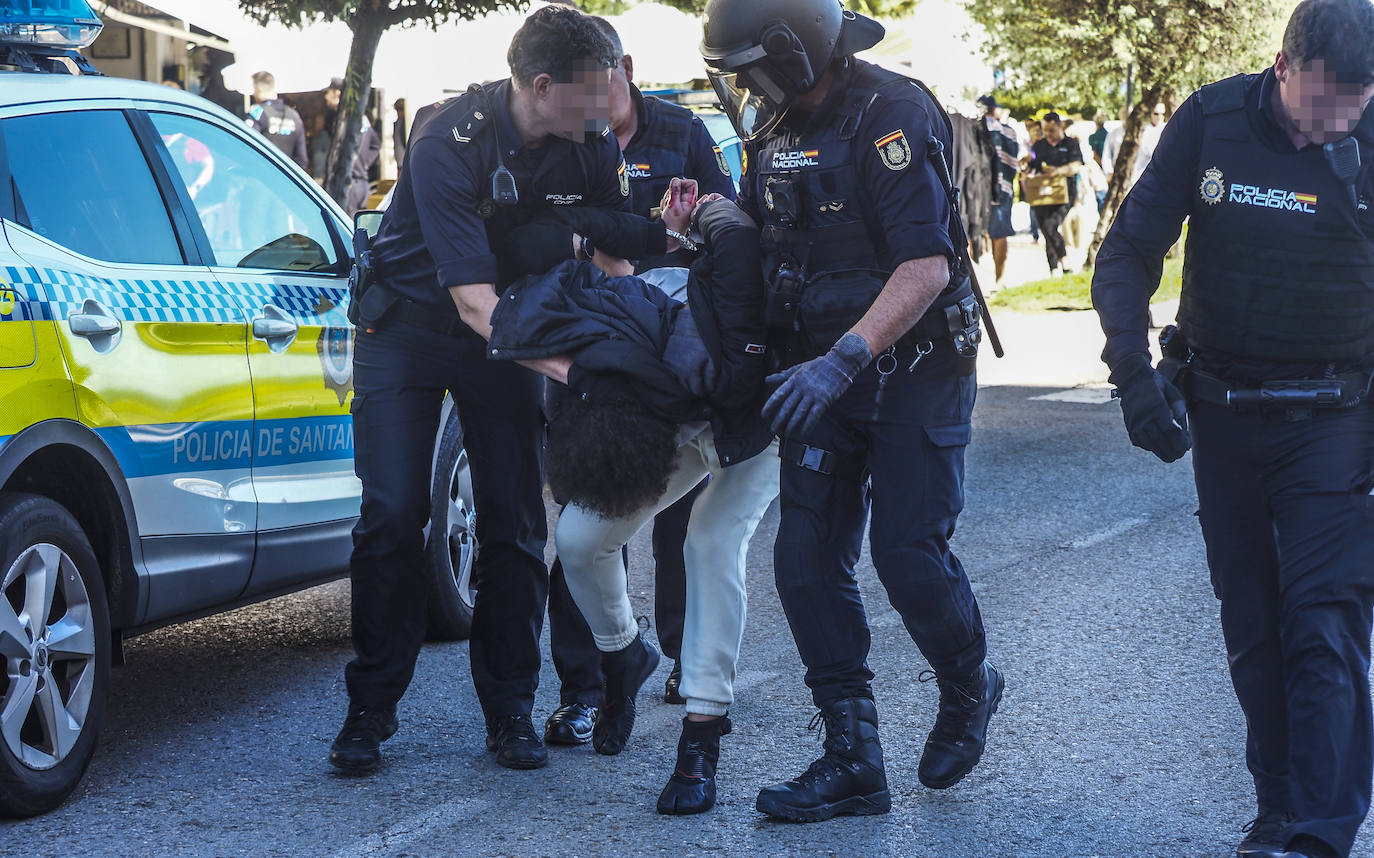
(369, 221)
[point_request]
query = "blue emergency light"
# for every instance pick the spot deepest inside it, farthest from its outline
(48, 24)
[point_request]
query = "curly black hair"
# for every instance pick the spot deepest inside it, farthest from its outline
(561, 42)
(609, 457)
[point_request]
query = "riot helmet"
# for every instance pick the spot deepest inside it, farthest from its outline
(762, 54)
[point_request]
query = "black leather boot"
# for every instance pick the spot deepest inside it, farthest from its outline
(692, 788)
(672, 686)
(570, 724)
(624, 673)
(850, 777)
(955, 744)
(1265, 835)
(357, 750)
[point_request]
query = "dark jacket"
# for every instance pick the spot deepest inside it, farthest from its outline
(687, 362)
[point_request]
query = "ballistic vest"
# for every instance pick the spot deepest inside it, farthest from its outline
(658, 154)
(1280, 259)
(817, 217)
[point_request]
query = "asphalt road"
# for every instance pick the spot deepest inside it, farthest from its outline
(1118, 736)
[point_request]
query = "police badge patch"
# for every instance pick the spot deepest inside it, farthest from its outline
(624, 179)
(894, 150)
(1213, 186)
(720, 160)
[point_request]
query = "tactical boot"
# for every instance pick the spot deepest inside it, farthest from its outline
(624, 673)
(357, 749)
(692, 788)
(955, 744)
(849, 778)
(516, 744)
(1265, 834)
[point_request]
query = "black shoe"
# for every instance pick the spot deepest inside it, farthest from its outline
(955, 744)
(1265, 835)
(672, 687)
(692, 788)
(516, 744)
(848, 779)
(624, 672)
(357, 750)
(570, 725)
(1307, 846)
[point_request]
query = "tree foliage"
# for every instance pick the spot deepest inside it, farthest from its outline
(368, 19)
(1082, 50)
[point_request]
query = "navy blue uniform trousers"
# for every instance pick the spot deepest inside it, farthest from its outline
(904, 456)
(400, 376)
(1289, 526)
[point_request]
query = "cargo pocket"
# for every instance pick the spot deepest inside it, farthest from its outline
(943, 498)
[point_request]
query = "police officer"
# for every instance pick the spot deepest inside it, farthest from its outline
(875, 400)
(660, 141)
(1273, 361)
(276, 120)
(484, 164)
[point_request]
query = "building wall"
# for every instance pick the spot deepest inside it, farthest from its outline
(131, 52)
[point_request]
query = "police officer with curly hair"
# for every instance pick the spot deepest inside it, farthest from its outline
(874, 329)
(1268, 375)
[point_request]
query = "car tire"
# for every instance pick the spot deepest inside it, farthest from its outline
(451, 551)
(55, 684)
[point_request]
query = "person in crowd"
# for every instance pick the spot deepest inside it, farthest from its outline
(276, 120)
(873, 397)
(1005, 169)
(1098, 139)
(1056, 154)
(359, 186)
(1267, 376)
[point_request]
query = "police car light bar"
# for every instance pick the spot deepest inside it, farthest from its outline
(48, 24)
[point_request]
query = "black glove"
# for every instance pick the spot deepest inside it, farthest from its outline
(807, 390)
(1155, 412)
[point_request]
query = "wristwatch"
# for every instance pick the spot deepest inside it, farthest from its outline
(683, 240)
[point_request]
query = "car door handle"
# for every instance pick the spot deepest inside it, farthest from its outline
(96, 324)
(275, 328)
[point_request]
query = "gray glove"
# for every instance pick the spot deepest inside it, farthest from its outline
(807, 390)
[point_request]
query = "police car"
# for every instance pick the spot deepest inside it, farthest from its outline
(175, 382)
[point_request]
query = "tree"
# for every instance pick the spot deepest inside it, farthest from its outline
(1074, 47)
(368, 19)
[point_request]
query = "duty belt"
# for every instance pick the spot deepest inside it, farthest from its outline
(1307, 394)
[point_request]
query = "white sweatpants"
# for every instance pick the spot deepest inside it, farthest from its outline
(723, 519)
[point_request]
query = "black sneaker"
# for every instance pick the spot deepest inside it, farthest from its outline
(624, 672)
(955, 744)
(672, 686)
(570, 724)
(848, 779)
(357, 750)
(516, 744)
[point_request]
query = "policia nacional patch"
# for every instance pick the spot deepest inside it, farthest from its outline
(624, 179)
(894, 150)
(720, 161)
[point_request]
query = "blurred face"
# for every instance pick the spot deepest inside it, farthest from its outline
(1321, 106)
(622, 105)
(1054, 131)
(1157, 115)
(578, 110)
(331, 99)
(1034, 130)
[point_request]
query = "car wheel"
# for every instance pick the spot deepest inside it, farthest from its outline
(55, 647)
(452, 547)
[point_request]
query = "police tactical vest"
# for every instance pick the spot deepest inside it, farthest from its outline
(659, 154)
(816, 219)
(1280, 259)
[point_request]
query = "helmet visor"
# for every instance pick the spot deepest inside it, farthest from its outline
(753, 99)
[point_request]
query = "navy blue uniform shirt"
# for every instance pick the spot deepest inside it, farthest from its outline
(1131, 261)
(433, 236)
(908, 207)
(705, 162)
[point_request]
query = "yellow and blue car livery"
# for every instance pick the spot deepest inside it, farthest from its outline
(194, 416)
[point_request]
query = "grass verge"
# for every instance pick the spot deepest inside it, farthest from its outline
(1074, 292)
